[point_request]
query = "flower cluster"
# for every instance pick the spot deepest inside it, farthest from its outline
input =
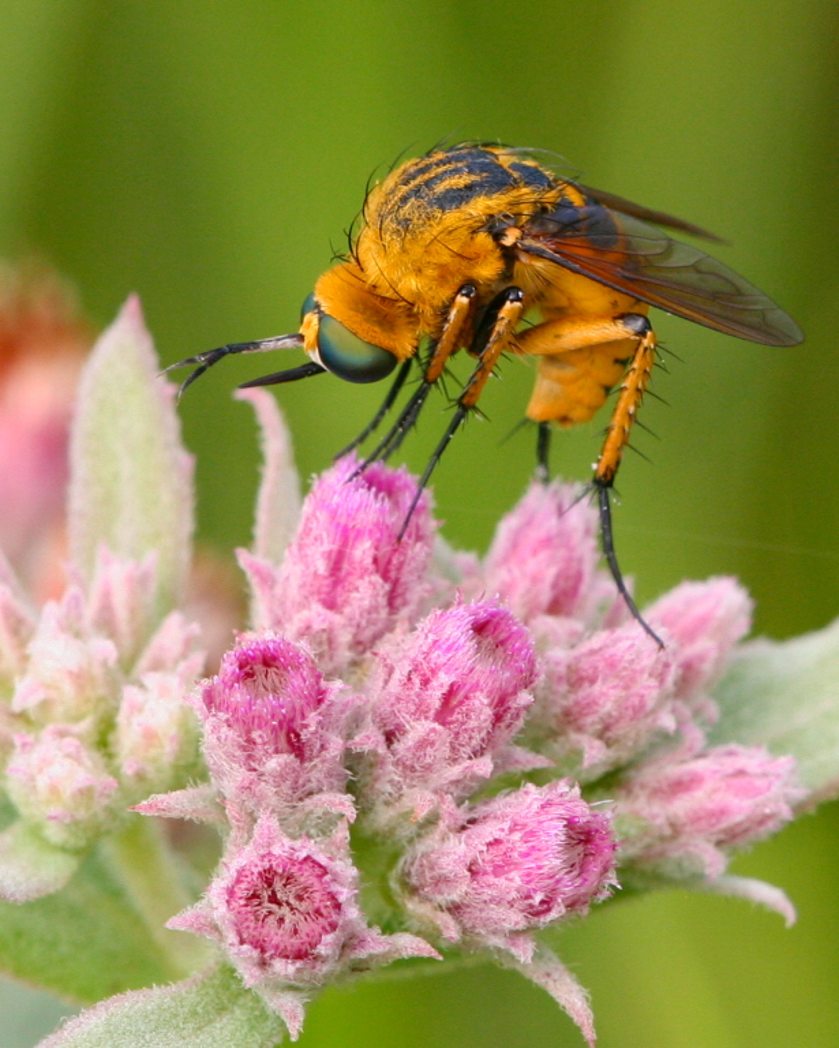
(362, 730)
(409, 752)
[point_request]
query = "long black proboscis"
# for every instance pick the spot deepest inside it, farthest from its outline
(211, 357)
(608, 544)
(289, 375)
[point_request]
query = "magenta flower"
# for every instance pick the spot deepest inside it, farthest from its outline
(543, 559)
(274, 731)
(444, 703)
(604, 699)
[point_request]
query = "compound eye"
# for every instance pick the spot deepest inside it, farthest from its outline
(309, 303)
(350, 357)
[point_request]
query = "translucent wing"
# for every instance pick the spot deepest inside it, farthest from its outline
(617, 247)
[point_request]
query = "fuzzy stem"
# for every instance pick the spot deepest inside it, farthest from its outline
(151, 875)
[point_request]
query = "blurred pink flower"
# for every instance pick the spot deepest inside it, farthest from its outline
(43, 342)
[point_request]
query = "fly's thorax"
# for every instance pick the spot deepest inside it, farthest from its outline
(428, 264)
(377, 316)
(559, 292)
(436, 223)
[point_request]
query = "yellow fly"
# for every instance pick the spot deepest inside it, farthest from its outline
(455, 246)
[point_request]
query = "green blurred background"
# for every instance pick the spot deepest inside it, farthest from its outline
(210, 155)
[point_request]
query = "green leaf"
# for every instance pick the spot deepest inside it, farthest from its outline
(83, 943)
(131, 480)
(785, 696)
(31, 867)
(212, 1010)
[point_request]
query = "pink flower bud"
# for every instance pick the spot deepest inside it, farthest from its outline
(156, 735)
(347, 577)
(544, 557)
(445, 702)
(267, 688)
(60, 785)
(466, 669)
(272, 724)
(702, 622)
(70, 674)
(603, 700)
(286, 913)
(287, 905)
(120, 602)
(513, 864)
(680, 816)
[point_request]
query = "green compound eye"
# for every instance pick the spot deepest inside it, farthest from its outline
(309, 304)
(348, 356)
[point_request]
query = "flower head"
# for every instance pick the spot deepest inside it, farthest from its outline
(273, 729)
(286, 912)
(349, 576)
(543, 559)
(365, 742)
(604, 699)
(445, 702)
(511, 865)
(682, 816)
(61, 786)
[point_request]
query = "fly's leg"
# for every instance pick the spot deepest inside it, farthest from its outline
(555, 339)
(455, 334)
(493, 339)
(631, 394)
(543, 448)
(384, 408)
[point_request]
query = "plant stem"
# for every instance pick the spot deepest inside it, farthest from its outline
(149, 870)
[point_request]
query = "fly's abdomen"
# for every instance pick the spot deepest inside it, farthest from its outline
(570, 388)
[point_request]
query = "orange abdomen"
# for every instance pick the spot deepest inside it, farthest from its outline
(572, 386)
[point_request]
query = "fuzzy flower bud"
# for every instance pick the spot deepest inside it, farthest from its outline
(61, 786)
(156, 734)
(703, 622)
(347, 578)
(544, 557)
(512, 865)
(603, 700)
(286, 913)
(446, 701)
(271, 725)
(680, 816)
(70, 673)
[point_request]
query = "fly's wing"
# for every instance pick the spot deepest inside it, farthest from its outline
(622, 251)
(648, 214)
